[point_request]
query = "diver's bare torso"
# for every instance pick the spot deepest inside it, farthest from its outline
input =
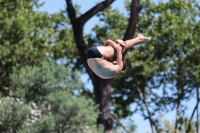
(99, 67)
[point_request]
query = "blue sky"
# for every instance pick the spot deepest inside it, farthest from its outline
(53, 6)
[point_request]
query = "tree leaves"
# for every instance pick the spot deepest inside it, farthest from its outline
(42, 100)
(161, 72)
(29, 36)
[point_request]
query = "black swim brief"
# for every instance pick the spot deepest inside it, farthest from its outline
(94, 53)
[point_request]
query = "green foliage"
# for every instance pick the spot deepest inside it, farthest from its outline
(163, 73)
(173, 47)
(28, 37)
(33, 82)
(13, 114)
(42, 100)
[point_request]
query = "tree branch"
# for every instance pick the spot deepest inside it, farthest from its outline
(119, 121)
(90, 13)
(71, 11)
(78, 23)
(135, 9)
(142, 96)
(192, 116)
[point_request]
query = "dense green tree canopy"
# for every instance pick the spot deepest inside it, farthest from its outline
(28, 36)
(42, 100)
(163, 73)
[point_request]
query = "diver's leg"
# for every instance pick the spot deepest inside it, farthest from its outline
(109, 51)
(140, 39)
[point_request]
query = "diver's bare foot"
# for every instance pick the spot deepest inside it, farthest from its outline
(143, 39)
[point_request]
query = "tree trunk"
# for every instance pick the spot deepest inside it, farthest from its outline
(178, 108)
(143, 99)
(101, 86)
(196, 106)
(177, 115)
(102, 94)
(133, 20)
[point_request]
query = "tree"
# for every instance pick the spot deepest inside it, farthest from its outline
(26, 37)
(41, 100)
(159, 74)
(101, 87)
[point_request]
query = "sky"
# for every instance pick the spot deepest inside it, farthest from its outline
(53, 6)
